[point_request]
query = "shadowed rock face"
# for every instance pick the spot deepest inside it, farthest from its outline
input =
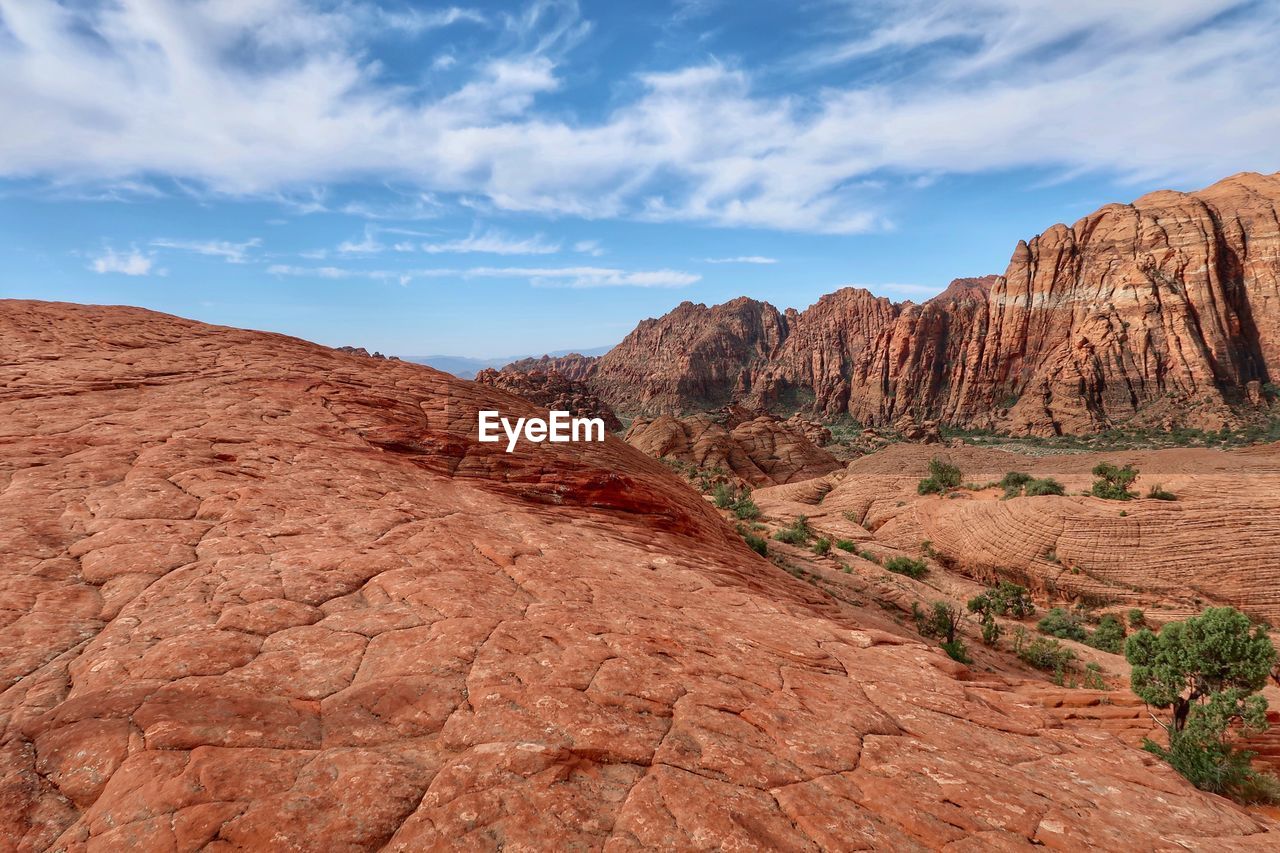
(760, 451)
(1165, 311)
(552, 390)
(259, 594)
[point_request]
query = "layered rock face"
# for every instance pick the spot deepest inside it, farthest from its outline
(759, 451)
(258, 594)
(552, 390)
(574, 367)
(1160, 312)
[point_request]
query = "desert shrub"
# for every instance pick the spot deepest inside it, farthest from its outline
(744, 507)
(797, 533)
(1045, 486)
(846, 545)
(756, 543)
(822, 547)
(1013, 482)
(1004, 599)
(1137, 618)
(1044, 653)
(1161, 494)
(956, 650)
(1113, 483)
(1059, 623)
(1093, 677)
(725, 494)
(990, 629)
(942, 620)
(906, 566)
(1109, 635)
(943, 477)
(1207, 672)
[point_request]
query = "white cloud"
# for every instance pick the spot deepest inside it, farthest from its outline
(589, 247)
(233, 253)
(1150, 89)
(575, 277)
(132, 262)
(369, 245)
(742, 259)
(589, 276)
(493, 243)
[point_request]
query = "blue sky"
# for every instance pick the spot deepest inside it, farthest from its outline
(507, 178)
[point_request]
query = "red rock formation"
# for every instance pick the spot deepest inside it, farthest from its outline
(552, 390)
(1165, 311)
(574, 367)
(259, 594)
(762, 451)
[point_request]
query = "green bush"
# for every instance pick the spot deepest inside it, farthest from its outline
(1059, 623)
(1207, 672)
(990, 629)
(1137, 618)
(1113, 483)
(906, 566)
(943, 477)
(756, 543)
(797, 533)
(1044, 653)
(846, 545)
(1109, 635)
(1004, 599)
(725, 494)
(1013, 482)
(957, 651)
(1093, 677)
(822, 547)
(1160, 494)
(1046, 486)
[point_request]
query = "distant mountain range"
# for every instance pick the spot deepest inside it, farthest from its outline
(467, 368)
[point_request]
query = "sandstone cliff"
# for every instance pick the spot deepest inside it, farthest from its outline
(1161, 312)
(259, 594)
(552, 390)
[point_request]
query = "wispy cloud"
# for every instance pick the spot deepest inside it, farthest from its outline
(233, 253)
(573, 277)
(589, 247)
(118, 91)
(493, 243)
(131, 262)
(742, 259)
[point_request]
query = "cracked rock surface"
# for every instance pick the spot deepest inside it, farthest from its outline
(259, 594)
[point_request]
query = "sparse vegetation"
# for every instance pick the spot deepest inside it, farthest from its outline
(1137, 619)
(1207, 672)
(1013, 483)
(943, 477)
(906, 566)
(1004, 599)
(724, 495)
(942, 622)
(1159, 493)
(797, 533)
(1093, 677)
(1059, 623)
(1044, 486)
(822, 547)
(846, 545)
(1047, 654)
(1113, 483)
(1109, 635)
(756, 543)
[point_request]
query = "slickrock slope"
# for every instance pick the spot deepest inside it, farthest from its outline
(760, 451)
(258, 594)
(1218, 543)
(1164, 311)
(552, 390)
